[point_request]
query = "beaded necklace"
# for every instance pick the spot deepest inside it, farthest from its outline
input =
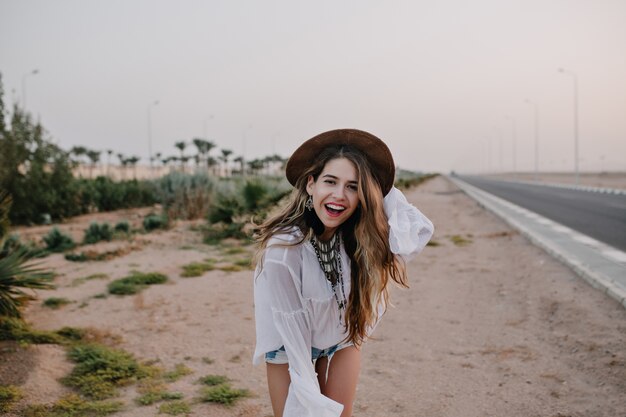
(330, 262)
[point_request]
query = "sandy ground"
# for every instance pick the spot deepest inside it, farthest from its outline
(490, 327)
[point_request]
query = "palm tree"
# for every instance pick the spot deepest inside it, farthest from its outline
(109, 152)
(94, 157)
(133, 162)
(122, 160)
(224, 158)
(181, 147)
(241, 162)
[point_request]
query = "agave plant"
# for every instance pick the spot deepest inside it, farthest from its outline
(17, 273)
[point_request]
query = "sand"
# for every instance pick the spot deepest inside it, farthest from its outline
(491, 326)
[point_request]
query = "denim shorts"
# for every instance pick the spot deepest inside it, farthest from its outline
(279, 356)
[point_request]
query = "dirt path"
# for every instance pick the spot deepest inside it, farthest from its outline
(491, 326)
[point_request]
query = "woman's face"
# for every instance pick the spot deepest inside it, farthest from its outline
(335, 194)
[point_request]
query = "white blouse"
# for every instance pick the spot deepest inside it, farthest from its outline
(295, 306)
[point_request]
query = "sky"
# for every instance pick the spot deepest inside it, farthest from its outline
(448, 84)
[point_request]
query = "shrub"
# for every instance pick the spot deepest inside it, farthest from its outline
(71, 405)
(225, 209)
(212, 380)
(223, 394)
(122, 227)
(215, 234)
(154, 221)
(175, 408)
(186, 196)
(154, 391)
(9, 394)
(135, 282)
(57, 241)
(196, 269)
(18, 330)
(56, 302)
(100, 370)
(97, 232)
(180, 370)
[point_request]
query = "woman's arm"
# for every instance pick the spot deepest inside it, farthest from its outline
(409, 229)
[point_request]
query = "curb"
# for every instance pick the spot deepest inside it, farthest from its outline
(597, 279)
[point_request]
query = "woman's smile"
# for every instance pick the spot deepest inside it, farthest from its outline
(335, 194)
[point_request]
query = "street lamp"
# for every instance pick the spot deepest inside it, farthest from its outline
(536, 119)
(513, 140)
(154, 103)
(575, 78)
(33, 72)
(204, 126)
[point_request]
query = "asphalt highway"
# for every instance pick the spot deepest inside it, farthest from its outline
(599, 215)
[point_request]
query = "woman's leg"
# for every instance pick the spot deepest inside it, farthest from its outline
(343, 375)
(278, 381)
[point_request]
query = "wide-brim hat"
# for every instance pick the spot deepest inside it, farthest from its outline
(374, 149)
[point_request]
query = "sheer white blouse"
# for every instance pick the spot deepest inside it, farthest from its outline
(295, 306)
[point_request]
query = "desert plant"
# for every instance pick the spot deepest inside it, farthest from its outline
(17, 274)
(135, 282)
(223, 394)
(212, 380)
(100, 370)
(175, 408)
(57, 241)
(97, 232)
(55, 302)
(122, 227)
(186, 196)
(9, 394)
(154, 221)
(72, 405)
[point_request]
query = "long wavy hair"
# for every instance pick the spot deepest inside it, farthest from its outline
(365, 235)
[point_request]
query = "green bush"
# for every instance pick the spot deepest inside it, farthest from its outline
(57, 241)
(18, 330)
(122, 227)
(175, 408)
(100, 370)
(154, 221)
(213, 235)
(212, 380)
(186, 196)
(55, 302)
(223, 394)
(196, 269)
(135, 282)
(71, 405)
(9, 394)
(97, 232)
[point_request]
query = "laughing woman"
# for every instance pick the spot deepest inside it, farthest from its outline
(324, 264)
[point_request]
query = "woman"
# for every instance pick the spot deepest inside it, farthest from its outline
(324, 264)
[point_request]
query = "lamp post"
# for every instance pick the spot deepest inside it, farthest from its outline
(33, 72)
(154, 103)
(513, 142)
(575, 78)
(204, 126)
(536, 129)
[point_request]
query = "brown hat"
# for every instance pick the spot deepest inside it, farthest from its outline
(374, 149)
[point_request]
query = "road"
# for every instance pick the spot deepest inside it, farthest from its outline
(601, 216)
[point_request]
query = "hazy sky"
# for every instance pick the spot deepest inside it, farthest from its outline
(442, 82)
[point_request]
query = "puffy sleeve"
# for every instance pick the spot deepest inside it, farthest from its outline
(280, 309)
(409, 229)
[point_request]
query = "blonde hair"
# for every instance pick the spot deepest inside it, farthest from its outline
(365, 235)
